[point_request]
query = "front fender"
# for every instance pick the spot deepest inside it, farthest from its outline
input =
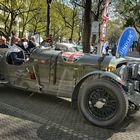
(102, 74)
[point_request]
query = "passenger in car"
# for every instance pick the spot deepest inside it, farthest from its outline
(23, 44)
(17, 58)
(3, 42)
(32, 43)
(21, 52)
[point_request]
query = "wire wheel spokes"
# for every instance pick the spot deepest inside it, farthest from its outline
(102, 103)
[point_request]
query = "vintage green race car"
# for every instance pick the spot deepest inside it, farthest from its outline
(105, 90)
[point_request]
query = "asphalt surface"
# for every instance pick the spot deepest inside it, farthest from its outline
(42, 117)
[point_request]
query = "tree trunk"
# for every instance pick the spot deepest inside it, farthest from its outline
(87, 26)
(96, 18)
(23, 30)
(72, 29)
(12, 20)
(10, 27)
(35, 29)
(48, 17)
(73, 23)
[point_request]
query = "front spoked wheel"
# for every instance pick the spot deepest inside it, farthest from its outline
(103, 103)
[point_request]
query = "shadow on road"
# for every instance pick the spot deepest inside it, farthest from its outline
(57, 118)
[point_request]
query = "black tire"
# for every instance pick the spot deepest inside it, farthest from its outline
(132, 109)
(103, 103)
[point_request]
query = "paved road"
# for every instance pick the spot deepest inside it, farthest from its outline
(41, 117)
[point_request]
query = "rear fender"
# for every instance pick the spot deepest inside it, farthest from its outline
(102, 74)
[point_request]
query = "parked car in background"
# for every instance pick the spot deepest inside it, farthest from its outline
(67, 47)
(44, 44)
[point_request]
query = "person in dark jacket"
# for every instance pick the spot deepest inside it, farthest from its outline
(31, 43)
(17, 58)
(16, 55)
(113, 50)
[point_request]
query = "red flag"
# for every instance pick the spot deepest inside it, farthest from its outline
(105, 21)
(104, 14)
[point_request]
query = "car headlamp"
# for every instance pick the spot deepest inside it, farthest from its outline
(111, 68)
(123, 72)
(135, 70)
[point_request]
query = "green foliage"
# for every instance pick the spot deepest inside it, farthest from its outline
(114, 30)
(32, 17)
(68, 19)
(129, 11)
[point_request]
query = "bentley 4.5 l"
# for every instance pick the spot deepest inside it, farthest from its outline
(105, 90)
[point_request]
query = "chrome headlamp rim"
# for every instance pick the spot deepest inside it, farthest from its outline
(111, 68)
(123, 72)
(135, 69)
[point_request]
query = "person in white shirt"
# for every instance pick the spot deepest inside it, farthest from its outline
(105, 48)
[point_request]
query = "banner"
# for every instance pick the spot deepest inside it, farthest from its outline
(105, 12)
(126, 40)
(105, 20)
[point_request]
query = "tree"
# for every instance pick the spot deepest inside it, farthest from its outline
(48, 16)
(27, 17)
(96, 13)
(87, 26)
(69, 15)
(36, 21)
(11, 10)
(58, 27)
(115, 29)
(97, 9)
(129, 11)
